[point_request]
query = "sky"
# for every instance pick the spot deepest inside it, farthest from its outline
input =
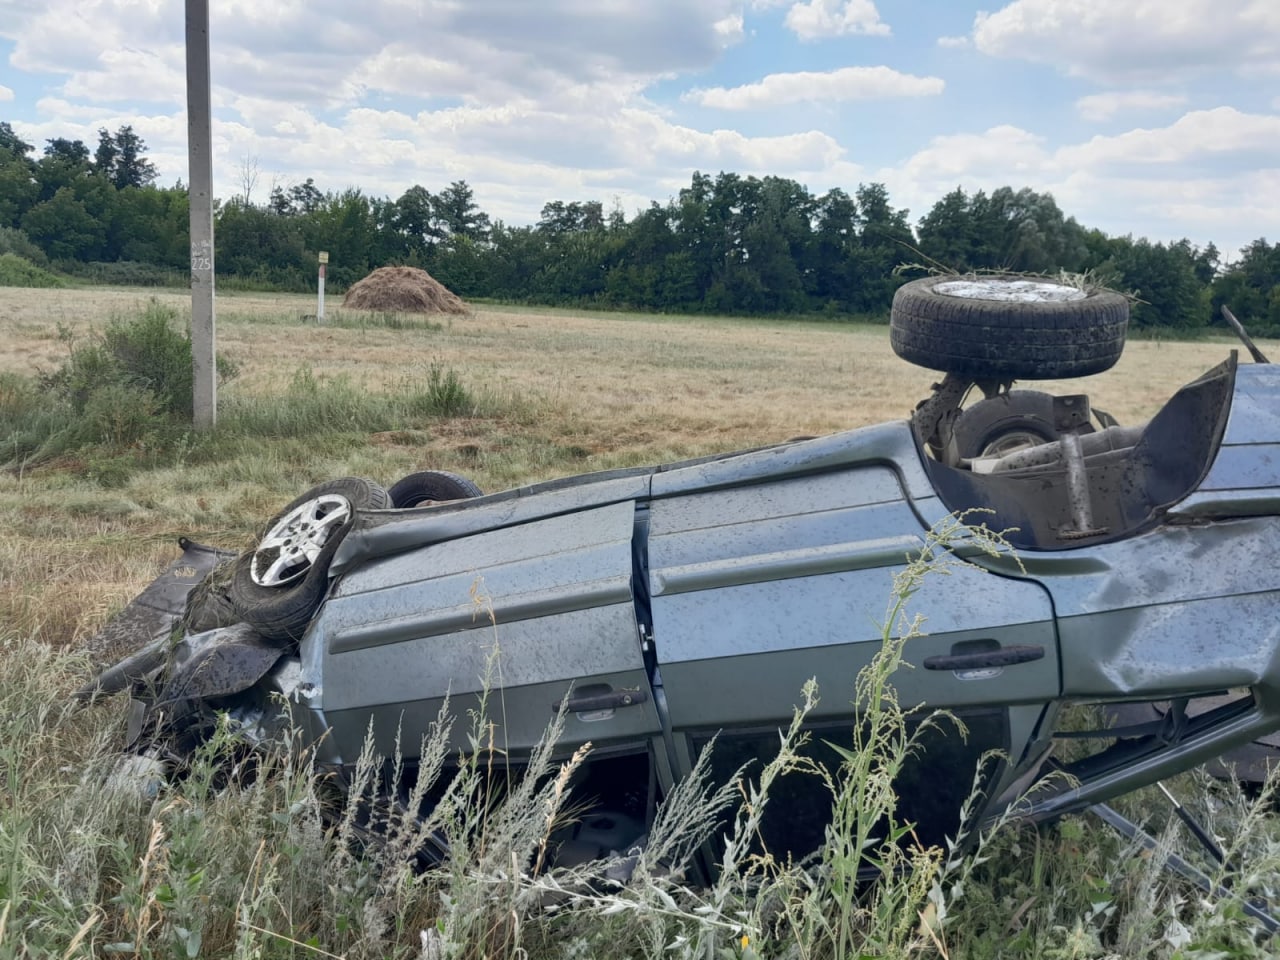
(1156, 118)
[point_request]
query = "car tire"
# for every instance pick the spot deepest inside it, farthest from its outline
(972, 328)
(1005, 423)
(277, 586)
(431, 486)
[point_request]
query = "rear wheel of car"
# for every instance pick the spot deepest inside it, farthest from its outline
(431, 486)
(1006, 328)
(277, 586)
(1002, 424)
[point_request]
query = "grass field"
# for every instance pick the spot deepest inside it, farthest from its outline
(553, 393)
(565, 392)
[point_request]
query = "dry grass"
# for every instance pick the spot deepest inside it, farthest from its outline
(246, 869)
(596, 391)
(670, 380)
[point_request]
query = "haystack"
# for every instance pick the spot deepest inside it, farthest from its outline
(402, 290)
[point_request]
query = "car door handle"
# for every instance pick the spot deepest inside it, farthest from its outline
(604, 701)
(999, 657)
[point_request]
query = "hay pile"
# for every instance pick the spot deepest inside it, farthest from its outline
(402, 290)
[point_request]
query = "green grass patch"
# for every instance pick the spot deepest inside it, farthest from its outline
(249, 852)
(121, 402)
(16, 271)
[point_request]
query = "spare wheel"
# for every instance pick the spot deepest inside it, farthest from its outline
(1008, 327)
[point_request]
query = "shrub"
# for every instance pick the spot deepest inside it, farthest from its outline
(120, 413)
(130, 387)
(15, 241)
(16, 271)
(445, 393)
(143, 354)
(126, 273)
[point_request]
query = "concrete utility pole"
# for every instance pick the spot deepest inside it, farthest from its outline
(204, 400)
(324, 262)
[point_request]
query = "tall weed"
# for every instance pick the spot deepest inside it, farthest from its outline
(247, 854)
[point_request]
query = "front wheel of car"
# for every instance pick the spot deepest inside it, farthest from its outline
(277, 586)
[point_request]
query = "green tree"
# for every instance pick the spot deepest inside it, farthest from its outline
(71, 152)
(559, 217)
(1163, 278)
(120, 158)
(644, 250)
(154, 224)
(884, 241)
(64, 228)
(458, 214)
(831, 254)
(19, 191)
(1021, 231)
(254, 243)
(947, 232)
(346, 225)
(11, 143)
(306, 196)
(415, 220)
(1250, 287)
(776, 245)
(513, 258)
(64, 164)
(107, 154)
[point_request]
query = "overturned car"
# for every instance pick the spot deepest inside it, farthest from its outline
(662, 607)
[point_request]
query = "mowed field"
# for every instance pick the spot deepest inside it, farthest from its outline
(566, 392)
(211, 866)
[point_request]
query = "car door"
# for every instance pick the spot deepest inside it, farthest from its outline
(756, 587)
(534, 612)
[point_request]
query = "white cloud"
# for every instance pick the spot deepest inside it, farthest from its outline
(1144, 40)
(729, 28)
(1104, 106)
(157, 75)
(1212, 174)
(327, 51)
(1006, 151)
(401, 68)
(1218, 208)
(815, 19)
(847, 83)
(571, 99)
(1223, 131)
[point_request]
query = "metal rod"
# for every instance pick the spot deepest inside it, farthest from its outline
(1130, 830)
(1199, 832)
(1238, 327)
(1077, 486)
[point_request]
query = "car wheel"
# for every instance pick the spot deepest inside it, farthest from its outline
(431, 486)
(1005, 328)
(277, 586)
(1002, 424)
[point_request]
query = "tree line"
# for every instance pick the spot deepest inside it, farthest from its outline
(724, 244)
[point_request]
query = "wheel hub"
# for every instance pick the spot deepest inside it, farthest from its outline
(288, 550)
(1018, 291)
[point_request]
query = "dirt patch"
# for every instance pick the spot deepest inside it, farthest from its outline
(403, 290)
